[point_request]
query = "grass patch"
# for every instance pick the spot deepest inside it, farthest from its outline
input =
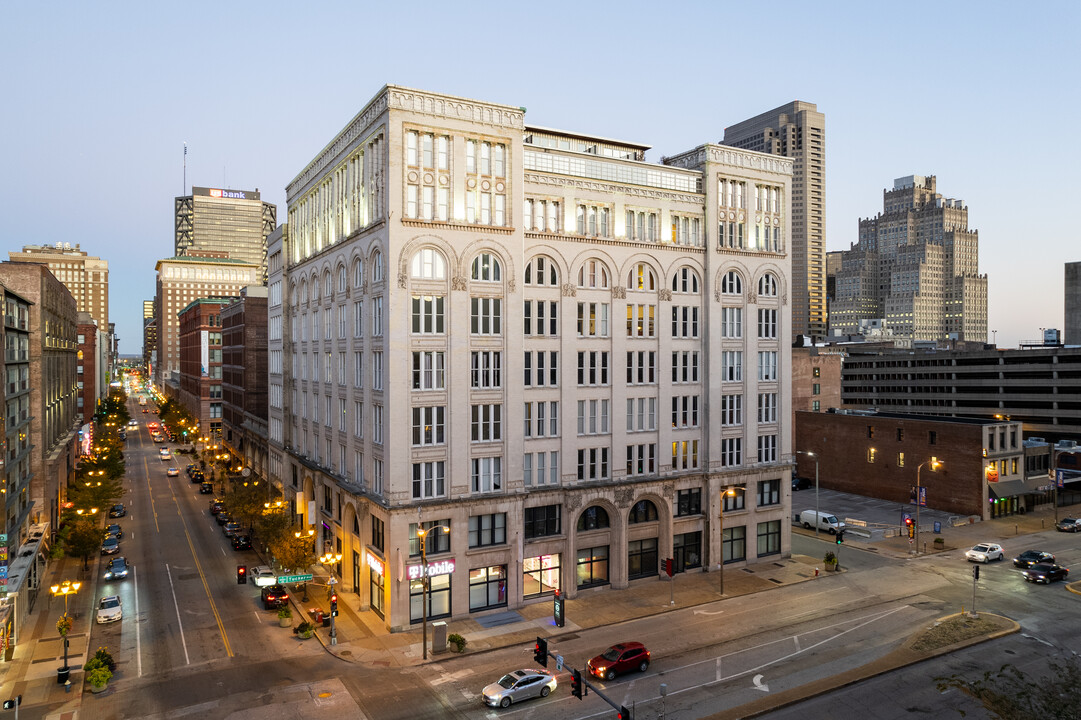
(956, 629)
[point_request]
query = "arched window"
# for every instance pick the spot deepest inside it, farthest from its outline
(314, 289)
(343, 278)
(685, 280)
(302, 296)
(593, 274)
(293, 294)
(541, 271)
(358, 272)
(328, 285)
(731, 283)
(593, 518)
(486, 268)
(767, 285)
(428, 264)
(377, 266)
(641, 278)
(643, 511)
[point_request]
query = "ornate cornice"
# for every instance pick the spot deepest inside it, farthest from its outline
(455, 108)
(358, 126)
(610, 188)
(747, 159)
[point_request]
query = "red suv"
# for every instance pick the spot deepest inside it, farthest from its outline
(619, 659)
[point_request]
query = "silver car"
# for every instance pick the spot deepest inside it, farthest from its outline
(985, 552)
(519, 685)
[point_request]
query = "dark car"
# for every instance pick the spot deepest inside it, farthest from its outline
(222, 517)
(118, 510)
(799, 483)
(197, 477)
(1046, 573)
(122, 435)
(117, 569)
(191, 468)
(619, 659)
(274, 596)
(110, 546)
(242, 542)
(206, 489)
(1068, 525)
(114, 530)
(1030, 557)
(216, 507)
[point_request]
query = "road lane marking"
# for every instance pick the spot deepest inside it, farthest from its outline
(138, 643)
(179, 621)
(150, 493)
(206, 586)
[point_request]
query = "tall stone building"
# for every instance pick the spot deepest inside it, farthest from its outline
(54, 389)
(244, 378)
(915, 268)
(625, 370)
(798, 131)
(1072, 305)
(215, 220)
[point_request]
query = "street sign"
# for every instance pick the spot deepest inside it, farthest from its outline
(559, 663)
(294, 578)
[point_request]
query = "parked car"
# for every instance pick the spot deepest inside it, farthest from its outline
(230, 529)
(1068, 525)
(117, 569)
(110, 609)
(241, 542)
(1045, 572)
(517, 686)
(222, 517)
(115, 531)
(122, 435)
(262, 575)
(190, 469)
(118, 510)
(824, 520)
(273, 597)
(206, 489)
(110, 546)
(985, 552)
(216, 506)
(1030, 557)
(619, 659)
(172, 472)
(799, 483)
(197, 477)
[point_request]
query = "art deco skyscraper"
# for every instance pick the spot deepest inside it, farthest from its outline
(798, 131)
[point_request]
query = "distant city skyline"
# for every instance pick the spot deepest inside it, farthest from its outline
(96, 102)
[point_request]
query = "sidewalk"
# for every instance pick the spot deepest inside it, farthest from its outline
(40, 650)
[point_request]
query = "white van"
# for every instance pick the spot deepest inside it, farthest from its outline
(823, 520)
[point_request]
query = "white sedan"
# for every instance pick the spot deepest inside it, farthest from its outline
(173, 472)
(110, 609)
(165, 455)
(262, 575)
(985, 552)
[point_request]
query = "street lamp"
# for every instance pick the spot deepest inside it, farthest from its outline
(728, 492)
(332, 559)
(935, 464)
(65, 588)
(811, 454)
(422, 535)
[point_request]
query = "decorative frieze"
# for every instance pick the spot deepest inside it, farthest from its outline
(611, 188)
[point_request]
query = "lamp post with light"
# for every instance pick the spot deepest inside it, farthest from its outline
(728, 492)
(332, 559)
(935, 464)
(811, 454)
(422, 535)
(65, 588)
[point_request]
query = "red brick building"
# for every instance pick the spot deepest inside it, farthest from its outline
(816, 380)
(879, 455)
(244, 378)
(87, 339)
(201, 361)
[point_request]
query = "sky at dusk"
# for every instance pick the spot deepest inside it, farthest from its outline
(99, 98)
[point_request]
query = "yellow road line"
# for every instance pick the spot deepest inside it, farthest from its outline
(206, 587)
(150, 493)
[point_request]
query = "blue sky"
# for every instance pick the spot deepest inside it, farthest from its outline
(99, 99)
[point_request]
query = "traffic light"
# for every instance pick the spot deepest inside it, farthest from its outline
(975, 572)
(540, 651)
(624, 713)
(841, 537)
(576, 684)
(241, 574)
(334, 604)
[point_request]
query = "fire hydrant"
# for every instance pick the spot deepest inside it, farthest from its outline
(816, 572)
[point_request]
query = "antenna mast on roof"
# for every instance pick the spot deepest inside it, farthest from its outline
(184, 190)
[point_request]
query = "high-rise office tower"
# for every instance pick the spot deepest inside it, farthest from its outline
(86, 277)
(627, 382)
(798, 131)
(215, 220)
(915, 268)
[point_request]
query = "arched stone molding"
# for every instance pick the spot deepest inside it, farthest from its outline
(635, 259)
(614, 535)
(641, 530)
(418, 243)
(470, 251)
(351, 543)
(747, 279)
(589, 254)
(782, 283)
(554, 256)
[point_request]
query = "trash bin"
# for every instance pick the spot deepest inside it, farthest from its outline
(62, 675)
(318, 614)
(439, 637)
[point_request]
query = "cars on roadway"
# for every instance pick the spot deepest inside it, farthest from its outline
(191, 468)
(799, 483)
(517, 686)
(274, 597)
(118, 510)
(114, 530)
(241, 542)
(216, 506)
(619, 659)
(110, 545)
(230, 528)
(133, 423)
(172, 472)
(1068, 525)
(165, 455)
(222, 516)
(206, 489)
(1045, 572)
(262, 575)
(984, 553)
(117, 569)
(110, 609)
(1030, 557)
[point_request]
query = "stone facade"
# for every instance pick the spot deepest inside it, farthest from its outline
(527, 337)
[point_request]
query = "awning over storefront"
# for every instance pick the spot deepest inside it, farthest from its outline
(1012, 488)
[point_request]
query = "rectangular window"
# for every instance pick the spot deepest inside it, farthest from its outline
(767, 448)
(592, 567)
(377, 317)
(642, 459)
(769, 492)
(428, 425)
(732, 322)
(731, 452)
(767, 324)
(542, 521)
(485, 530)
(767, 408)
(486, 474)
(593, 463)
(689, 502)
(731, 410)
(641, 368)
(428, 480)
(592, 319)
(641, 414)
(377, 371)
(685, 366)
(427, 314)
(541, 318)
(541, 368)
(358, 419)
(767, 366)
(593, 368)
(732, 366)
(642, 558)
(486, 316)
(734, 497)
(593, 417)
(734, 543)
(486, 423)
(486, 369)
(377, 424)
(769, 538)
(428, 370)
(684, 321)
(685, 411)
(435, 542)
(684, 454)
(640, 320)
